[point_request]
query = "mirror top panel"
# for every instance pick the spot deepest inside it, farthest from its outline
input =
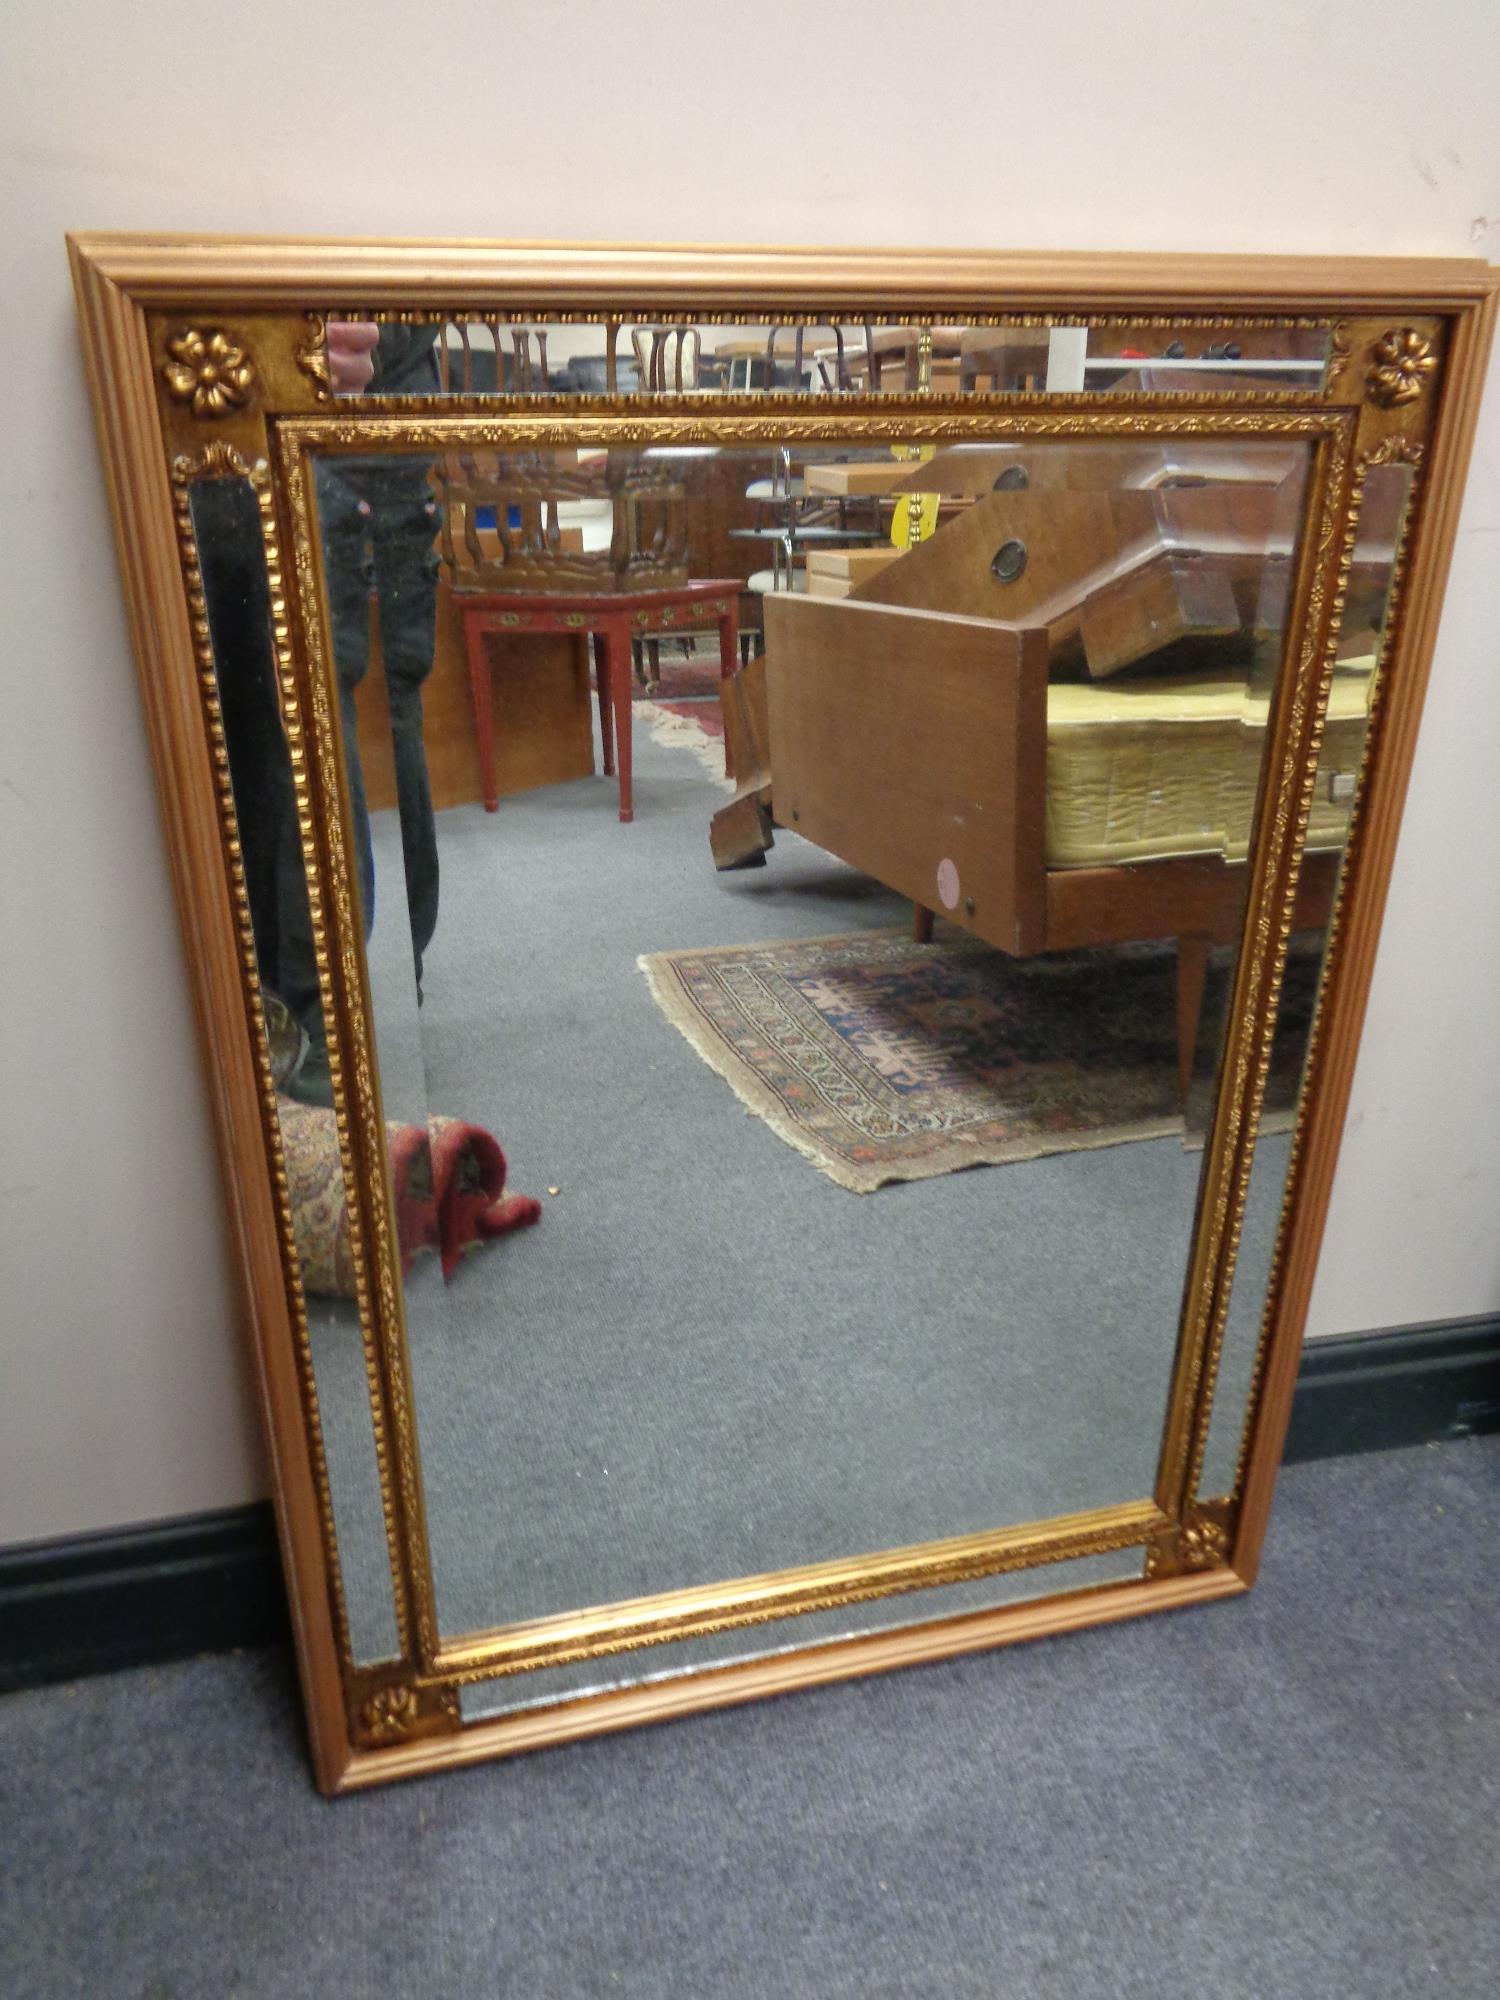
(799, 357)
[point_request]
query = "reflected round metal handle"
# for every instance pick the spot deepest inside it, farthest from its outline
(1009, 561)
(1012, 480)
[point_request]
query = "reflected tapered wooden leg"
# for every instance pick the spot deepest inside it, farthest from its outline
(477, 646)
(606, 708)
(921, 923)
(728, 647)
(1192, 971)
(616, 636)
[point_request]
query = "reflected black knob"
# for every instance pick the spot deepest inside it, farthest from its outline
(1009, 561)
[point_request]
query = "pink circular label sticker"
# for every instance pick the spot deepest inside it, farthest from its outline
(947, 885)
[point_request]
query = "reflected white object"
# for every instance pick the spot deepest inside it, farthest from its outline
(1067, 352)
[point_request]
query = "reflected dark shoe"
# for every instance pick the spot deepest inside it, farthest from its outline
(310, 1082)
(286, 1038)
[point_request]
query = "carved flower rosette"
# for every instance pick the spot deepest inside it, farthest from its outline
(389, 1714)
(1202, 1544)
(1403, 363)
(209, 372)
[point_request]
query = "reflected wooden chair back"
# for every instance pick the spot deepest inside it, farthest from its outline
(511, 361)
(667, 358)
(502, 525)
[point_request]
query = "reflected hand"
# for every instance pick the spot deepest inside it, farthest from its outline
(351, 354)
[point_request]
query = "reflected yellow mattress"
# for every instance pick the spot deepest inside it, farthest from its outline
(1140, 771)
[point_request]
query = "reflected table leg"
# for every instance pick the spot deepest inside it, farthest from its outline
(606, 711)
(729, 626)
(476, 644)
(614, 636)
(1192, 973)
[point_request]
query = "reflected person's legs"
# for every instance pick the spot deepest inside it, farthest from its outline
(344, 522)
(403, 525)
(226, 521)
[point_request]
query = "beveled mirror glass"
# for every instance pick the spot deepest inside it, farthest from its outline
(781, 856)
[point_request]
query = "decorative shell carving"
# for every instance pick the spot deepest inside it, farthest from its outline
(312, 357)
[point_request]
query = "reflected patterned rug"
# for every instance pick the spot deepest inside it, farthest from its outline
(885, 1060)
(697, 674)
(706, 715)
(684, 676)
(694, 726)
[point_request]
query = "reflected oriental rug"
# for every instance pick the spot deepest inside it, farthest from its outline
(886, 1060)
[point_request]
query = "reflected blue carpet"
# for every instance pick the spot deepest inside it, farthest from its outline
(707, 1360)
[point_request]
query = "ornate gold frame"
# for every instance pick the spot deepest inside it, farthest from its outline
(209, 356)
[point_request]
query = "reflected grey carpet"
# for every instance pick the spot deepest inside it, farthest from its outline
(1292, 1797)
(707, 1360)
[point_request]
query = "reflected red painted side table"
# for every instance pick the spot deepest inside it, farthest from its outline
(614, 618)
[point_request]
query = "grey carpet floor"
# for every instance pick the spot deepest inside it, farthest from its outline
(1292, 1797)
(707, 1359)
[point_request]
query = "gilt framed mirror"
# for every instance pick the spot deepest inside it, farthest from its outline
(780, 855)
